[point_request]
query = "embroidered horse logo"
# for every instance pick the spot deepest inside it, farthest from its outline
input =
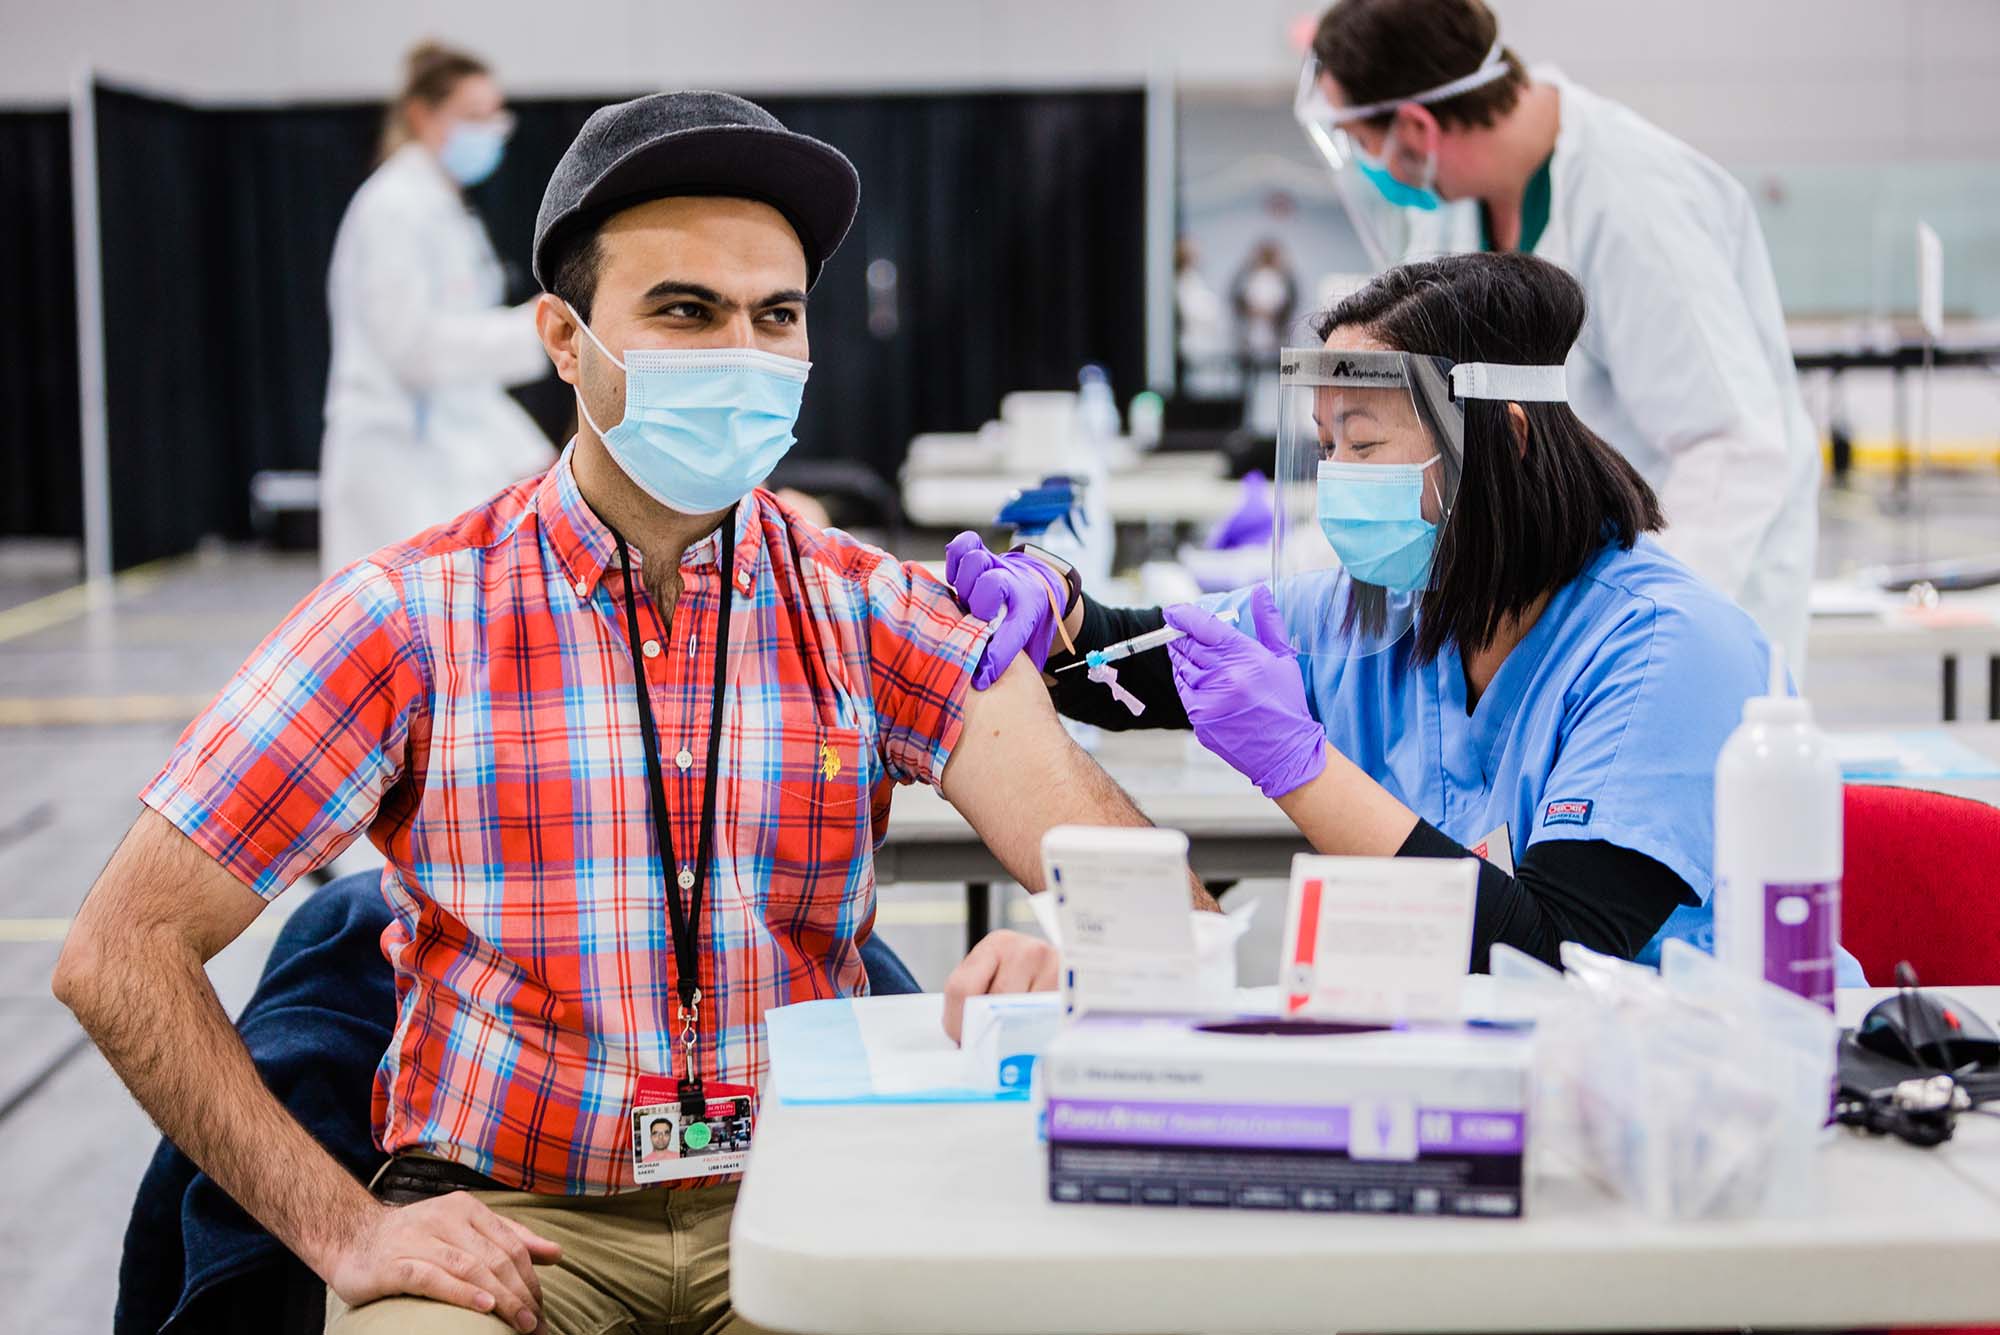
(829, 761)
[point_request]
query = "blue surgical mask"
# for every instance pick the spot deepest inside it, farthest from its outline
(1373, 515)
(1396, 192)
(472, 151)
(702, 426)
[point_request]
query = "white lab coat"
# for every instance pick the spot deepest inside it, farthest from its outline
(1683, 363)
(419, 426)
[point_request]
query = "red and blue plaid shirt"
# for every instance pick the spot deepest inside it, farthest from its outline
(466, 700)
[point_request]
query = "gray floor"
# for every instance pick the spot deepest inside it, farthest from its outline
(91, 700)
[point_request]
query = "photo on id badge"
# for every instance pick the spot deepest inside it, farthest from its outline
(666, 1145)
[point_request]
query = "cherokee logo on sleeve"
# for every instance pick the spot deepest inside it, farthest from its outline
(1567, 811)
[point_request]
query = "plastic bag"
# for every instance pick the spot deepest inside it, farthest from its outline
(1693, 1093)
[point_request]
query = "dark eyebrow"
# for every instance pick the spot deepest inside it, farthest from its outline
(708, 296)
(675, 287)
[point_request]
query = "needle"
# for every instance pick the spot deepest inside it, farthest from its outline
(1138, 644)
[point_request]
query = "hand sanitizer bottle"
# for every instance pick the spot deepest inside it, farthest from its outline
(1778, 845)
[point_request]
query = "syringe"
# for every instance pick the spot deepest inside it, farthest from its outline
(1138, 644)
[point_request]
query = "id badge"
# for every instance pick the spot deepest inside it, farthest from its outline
(1497, 848)
(668, 1145)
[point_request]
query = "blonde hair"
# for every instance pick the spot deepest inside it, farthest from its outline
(431, 71)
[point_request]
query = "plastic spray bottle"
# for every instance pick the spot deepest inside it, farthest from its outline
(1778, 845)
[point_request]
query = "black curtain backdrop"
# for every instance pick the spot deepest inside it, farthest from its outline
(41, 474)
(1014, 222)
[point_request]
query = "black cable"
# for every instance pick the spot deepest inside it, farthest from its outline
(1879, 1112)
(1906, 983)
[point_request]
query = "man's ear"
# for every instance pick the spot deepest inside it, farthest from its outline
(1422, 134)
(560, 334)
(1517, 419)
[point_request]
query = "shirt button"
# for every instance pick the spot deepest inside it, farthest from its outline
(685, 758)
(650, 648)
(582, 589)
(743, 581)
(685, 880)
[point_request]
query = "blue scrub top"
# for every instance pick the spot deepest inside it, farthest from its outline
(1605, 722)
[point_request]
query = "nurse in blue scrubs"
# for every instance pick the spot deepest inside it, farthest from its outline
(1502, 660)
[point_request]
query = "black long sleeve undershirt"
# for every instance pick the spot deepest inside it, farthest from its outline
(1604, 896)
(1148, 676)
(1607, 897)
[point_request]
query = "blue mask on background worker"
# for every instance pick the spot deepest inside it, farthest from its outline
(1402, 195)
(1373, 515)
(472, 151)
(702, 426)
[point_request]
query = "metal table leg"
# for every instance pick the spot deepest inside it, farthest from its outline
(1951, 688)
(978, 912)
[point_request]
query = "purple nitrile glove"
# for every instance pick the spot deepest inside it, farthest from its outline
(1251, 525)
(1245, 696)
(1013, 586)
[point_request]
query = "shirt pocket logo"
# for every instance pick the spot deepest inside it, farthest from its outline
(803, 811)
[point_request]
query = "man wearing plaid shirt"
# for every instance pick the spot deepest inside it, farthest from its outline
(560, 842)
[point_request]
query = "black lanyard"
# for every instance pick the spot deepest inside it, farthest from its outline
(685, 921)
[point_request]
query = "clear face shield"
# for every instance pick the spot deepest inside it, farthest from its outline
(1371, 448)
(1376, 198)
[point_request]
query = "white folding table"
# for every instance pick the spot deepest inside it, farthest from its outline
(935, 1218)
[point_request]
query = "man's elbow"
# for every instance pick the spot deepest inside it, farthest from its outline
(78, 970)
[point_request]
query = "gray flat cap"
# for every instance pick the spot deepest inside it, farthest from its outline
(670, 144)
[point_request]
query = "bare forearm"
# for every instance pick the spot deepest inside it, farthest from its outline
(1344, 811)
(157, 1020)
(1080, 793)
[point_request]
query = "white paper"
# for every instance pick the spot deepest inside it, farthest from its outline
(1378, 939)
(1930, 281)
(1849, 598)
(908, 1052)
(1215, 938)
(1498, 847)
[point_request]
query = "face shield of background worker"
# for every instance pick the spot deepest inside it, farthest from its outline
(467, 699)
(419, 425)
(1558, 689)
(1684, 365)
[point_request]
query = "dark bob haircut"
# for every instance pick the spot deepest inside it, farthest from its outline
(1527, 518)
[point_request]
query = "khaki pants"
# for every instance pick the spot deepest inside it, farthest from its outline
(652, 1262)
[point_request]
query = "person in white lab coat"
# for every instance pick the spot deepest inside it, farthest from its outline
(1684, 363)
(419, 426)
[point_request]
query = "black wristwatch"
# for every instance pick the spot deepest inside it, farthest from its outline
(1072, 580)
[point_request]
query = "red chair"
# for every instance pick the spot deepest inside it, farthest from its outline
(1922, 883)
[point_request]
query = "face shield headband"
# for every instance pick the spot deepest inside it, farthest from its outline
(1310, 106)
(1376, 202)
(1371, 447)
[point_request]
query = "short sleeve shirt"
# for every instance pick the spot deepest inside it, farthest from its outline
(466, 700)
